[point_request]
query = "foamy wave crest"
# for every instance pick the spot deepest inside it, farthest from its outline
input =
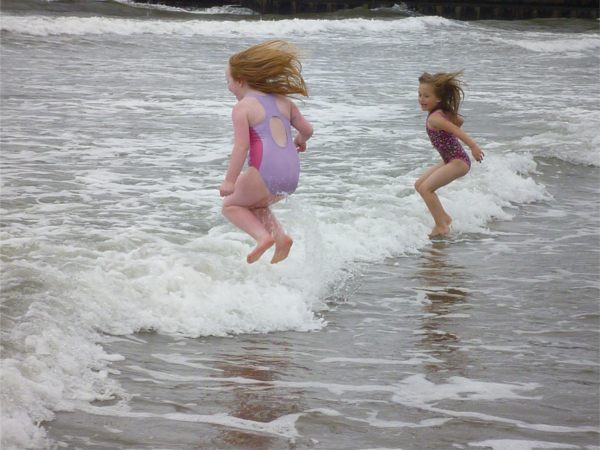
(205, 287)
(54, 360)
(51, 362)
(134, 281)
(549, 44)
(50, 26)
(220, 10)
(202, 288)
(520, 444)
(574, 139)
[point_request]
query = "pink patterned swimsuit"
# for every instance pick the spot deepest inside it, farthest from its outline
(447, 144)
(279, 166)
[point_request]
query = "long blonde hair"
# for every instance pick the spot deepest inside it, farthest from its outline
(446, 87)
(271, 67)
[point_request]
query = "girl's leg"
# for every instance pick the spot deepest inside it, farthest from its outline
(426, 174)
(283, 242)
(440, 176)
(250, 193)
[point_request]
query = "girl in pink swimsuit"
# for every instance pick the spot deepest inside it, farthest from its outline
(261, 77)
(440, 95)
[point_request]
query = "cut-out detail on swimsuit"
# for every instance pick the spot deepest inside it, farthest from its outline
(277, 161)
(278, 131)
(446, 143)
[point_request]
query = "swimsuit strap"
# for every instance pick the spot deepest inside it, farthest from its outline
(436, 111)
(269, 103)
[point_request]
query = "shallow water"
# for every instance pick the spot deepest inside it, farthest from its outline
(476, 342)
(129, 316)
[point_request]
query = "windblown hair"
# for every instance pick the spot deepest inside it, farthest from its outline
(447, 87)
(272, 67)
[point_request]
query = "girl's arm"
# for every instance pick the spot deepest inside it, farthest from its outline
(459, 120)
(241, 143)
(437, 122)
(305, 129)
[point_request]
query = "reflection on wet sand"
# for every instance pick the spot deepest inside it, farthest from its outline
(259, 402)
(443, 284)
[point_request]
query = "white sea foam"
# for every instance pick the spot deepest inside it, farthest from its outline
(417, 391)
(543, 42)
(220, 10)
(574, 137)
(55, 366)
(178, 359)
(382, 448)
(139, 281)
(107, 249)
(375, 361)
(51, 26)
(540, 43)
(519, 444)
(284, 426)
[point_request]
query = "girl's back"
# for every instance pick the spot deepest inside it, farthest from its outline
(272, 151)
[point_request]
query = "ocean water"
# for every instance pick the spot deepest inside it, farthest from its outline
(130, 319)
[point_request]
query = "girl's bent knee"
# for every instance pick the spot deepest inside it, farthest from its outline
(421, 189)
(225, 208)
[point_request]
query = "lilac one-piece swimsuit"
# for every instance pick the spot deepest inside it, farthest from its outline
(278, 165)
(447, 144)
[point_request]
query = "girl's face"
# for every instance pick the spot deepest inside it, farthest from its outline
(427, 99)
(235, 87)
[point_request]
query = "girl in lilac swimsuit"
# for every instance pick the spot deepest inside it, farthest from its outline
(440, 95)
(261, 77)
(278, 165)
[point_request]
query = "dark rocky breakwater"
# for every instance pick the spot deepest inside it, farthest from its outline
(462, 9)
(507, 10)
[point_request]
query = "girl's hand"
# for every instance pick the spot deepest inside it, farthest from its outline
(302, 126)
(477, 153)
(300, 143)
(226, 188)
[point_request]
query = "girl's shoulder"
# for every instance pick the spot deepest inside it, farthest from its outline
(284, 104)
(435, 118)
(249, 102)
(438, 113)
(248, 107)
(257, 98)
(440, 116)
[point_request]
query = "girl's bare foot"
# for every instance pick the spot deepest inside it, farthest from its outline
(443, 229)
(282, 248)
(439, 230)
(261, 247)
(448, 220)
